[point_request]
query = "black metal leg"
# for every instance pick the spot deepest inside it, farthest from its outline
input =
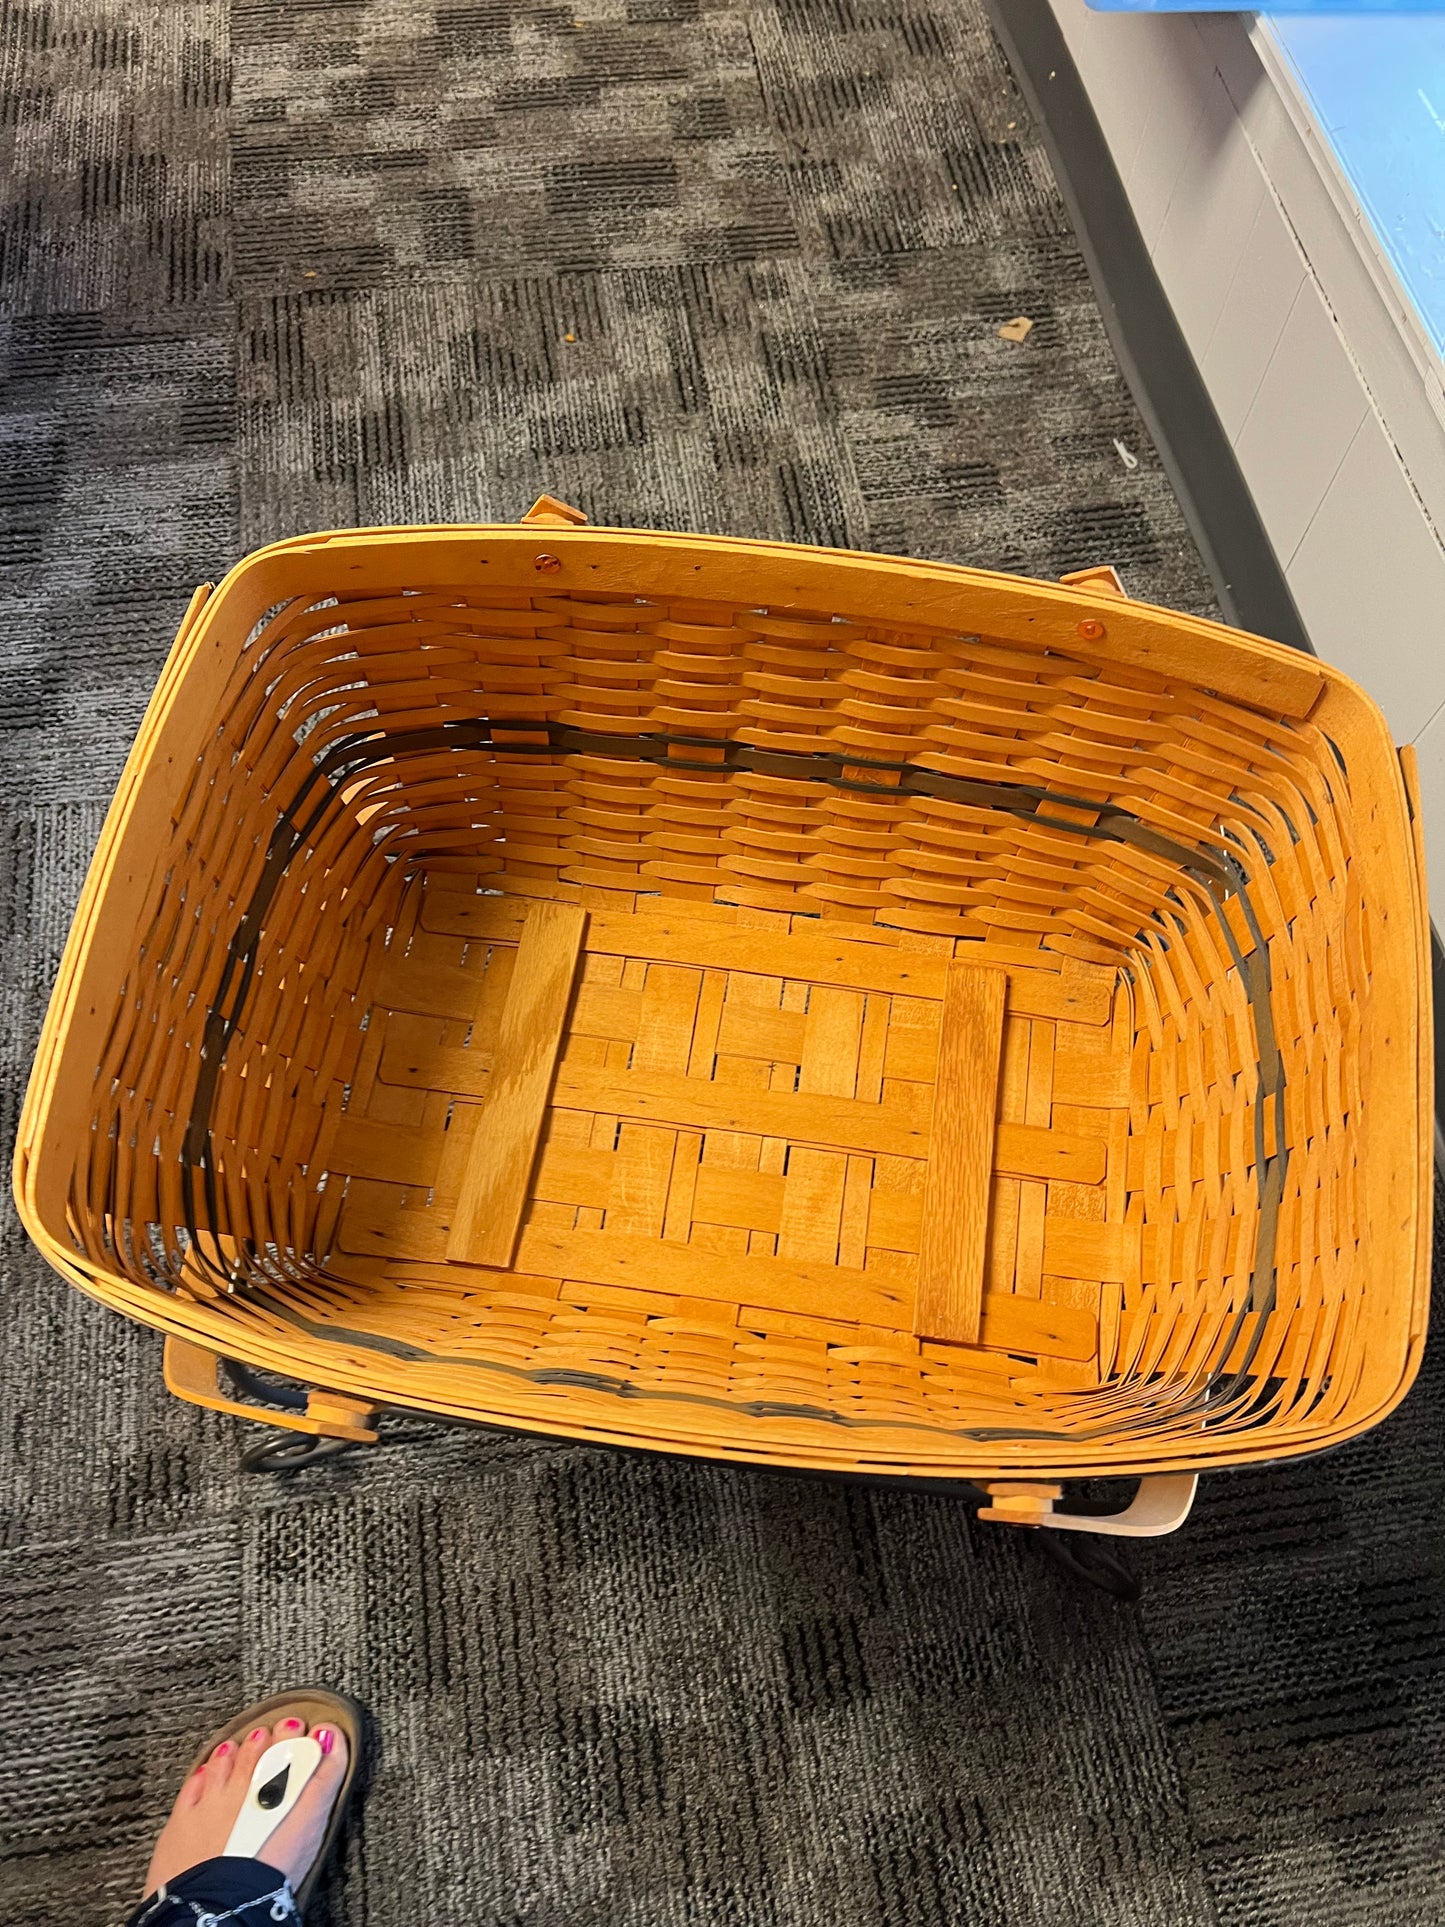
(289, 1452)
(1090, 1560)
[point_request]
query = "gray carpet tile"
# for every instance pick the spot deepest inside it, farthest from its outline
(114, 156)
(267, 267)
(769, 399)
(117, 496)
(1313, 1761)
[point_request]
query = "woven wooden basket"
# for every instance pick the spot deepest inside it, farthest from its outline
(753, 1001)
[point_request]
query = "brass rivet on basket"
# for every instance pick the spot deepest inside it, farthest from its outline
(548, 564)
(1091, 631)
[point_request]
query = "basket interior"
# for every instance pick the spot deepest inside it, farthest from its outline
(787, 833)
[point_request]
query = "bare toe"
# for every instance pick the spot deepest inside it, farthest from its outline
(204, 1812)
(249, 1749)
(208, 1803)
(219, 1767)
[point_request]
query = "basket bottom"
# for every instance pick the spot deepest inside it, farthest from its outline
(730, 1180)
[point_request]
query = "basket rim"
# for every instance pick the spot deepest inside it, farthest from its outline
(1280, 680)
(1252, 671)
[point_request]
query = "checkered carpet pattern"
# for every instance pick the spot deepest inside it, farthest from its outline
(729, 265)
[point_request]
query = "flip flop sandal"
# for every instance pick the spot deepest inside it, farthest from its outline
(317, 1707)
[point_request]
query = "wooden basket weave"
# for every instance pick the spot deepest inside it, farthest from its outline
(755, 1001)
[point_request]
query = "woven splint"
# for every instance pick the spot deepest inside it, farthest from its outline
(754, 1001)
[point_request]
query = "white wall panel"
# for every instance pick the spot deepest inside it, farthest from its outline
(1313, 367)
(1265, 287)
(1369, 579)
(1301, 421)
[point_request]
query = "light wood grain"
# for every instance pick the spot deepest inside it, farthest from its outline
(747, 918)
(826, 1290)
(834, 1123)
(1084, 996)
(954, 1233)
(504, 1148)
(778, 1284)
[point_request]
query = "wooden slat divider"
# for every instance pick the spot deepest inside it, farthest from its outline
(778, 1284)
(954, 1234)
(504, 1148)
(834, 1123)
(664, 936)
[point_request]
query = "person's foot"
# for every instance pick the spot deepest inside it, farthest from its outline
(207, 1805)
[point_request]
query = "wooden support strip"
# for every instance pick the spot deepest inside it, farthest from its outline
(504, 1149)
(1034, 1326)
(1084, 996)
(371, 1149)
(777, 1284)
(951, 1246)
(832, 1123)
(380, 1228)
(811, 959)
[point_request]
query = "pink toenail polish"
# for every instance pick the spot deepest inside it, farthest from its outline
(259, 1734)
(325, 1739)
(291, 1726)
(223, 1749)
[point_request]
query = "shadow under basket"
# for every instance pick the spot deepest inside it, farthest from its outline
(752, 1001)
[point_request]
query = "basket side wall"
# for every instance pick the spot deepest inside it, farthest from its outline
(1346, 965)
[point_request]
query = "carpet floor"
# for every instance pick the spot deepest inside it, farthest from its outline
(733, 265)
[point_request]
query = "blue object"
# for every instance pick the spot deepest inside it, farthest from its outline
(1377, 90)
(1374, 80)
(1366, 9)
